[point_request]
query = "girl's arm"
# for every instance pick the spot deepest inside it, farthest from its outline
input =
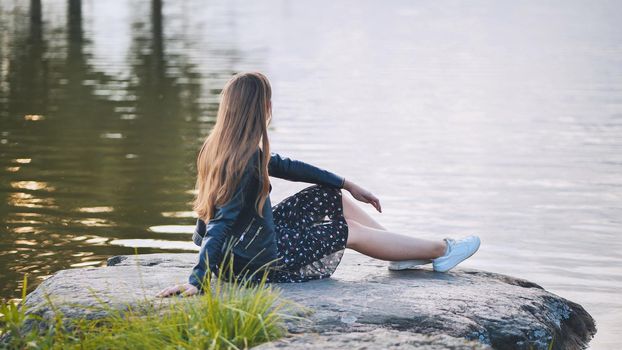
(296, 170)
(216, 233)
(214, 236)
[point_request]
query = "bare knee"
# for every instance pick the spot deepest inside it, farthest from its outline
(354, 234)
(345, 204)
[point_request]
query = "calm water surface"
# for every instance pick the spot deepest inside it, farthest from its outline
(502, 119)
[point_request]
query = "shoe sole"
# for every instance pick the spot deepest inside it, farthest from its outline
(468, 256)
(407, 264)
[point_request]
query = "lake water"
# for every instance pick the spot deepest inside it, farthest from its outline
(502, 119)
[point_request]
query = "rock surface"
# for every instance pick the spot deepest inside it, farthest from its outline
(394, 307)
(377, 339)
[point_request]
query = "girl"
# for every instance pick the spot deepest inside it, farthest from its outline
(304, 236)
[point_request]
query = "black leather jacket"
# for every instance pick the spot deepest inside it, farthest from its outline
(236, 224)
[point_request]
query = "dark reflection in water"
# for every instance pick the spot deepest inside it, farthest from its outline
(91, 160)
(497, 118)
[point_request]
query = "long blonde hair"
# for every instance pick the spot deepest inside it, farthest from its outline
(241, 123)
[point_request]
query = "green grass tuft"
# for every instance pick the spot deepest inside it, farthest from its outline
(228, 315)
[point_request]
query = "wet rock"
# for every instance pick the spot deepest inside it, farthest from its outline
(377, 339)
(395, 307)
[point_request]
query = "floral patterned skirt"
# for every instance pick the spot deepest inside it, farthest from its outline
(311, 234)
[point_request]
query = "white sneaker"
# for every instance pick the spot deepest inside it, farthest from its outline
(457, 251)
(408, 264)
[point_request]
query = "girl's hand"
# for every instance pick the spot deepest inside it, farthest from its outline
(183, 290)
(362, 194)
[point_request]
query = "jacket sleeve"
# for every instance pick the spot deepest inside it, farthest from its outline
(216, 232)
(296, 170)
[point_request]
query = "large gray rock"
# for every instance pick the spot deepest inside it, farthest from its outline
(362, 296)
(377, 339)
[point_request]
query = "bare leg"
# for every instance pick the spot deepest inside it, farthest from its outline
(377, 242)
(352, 211)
